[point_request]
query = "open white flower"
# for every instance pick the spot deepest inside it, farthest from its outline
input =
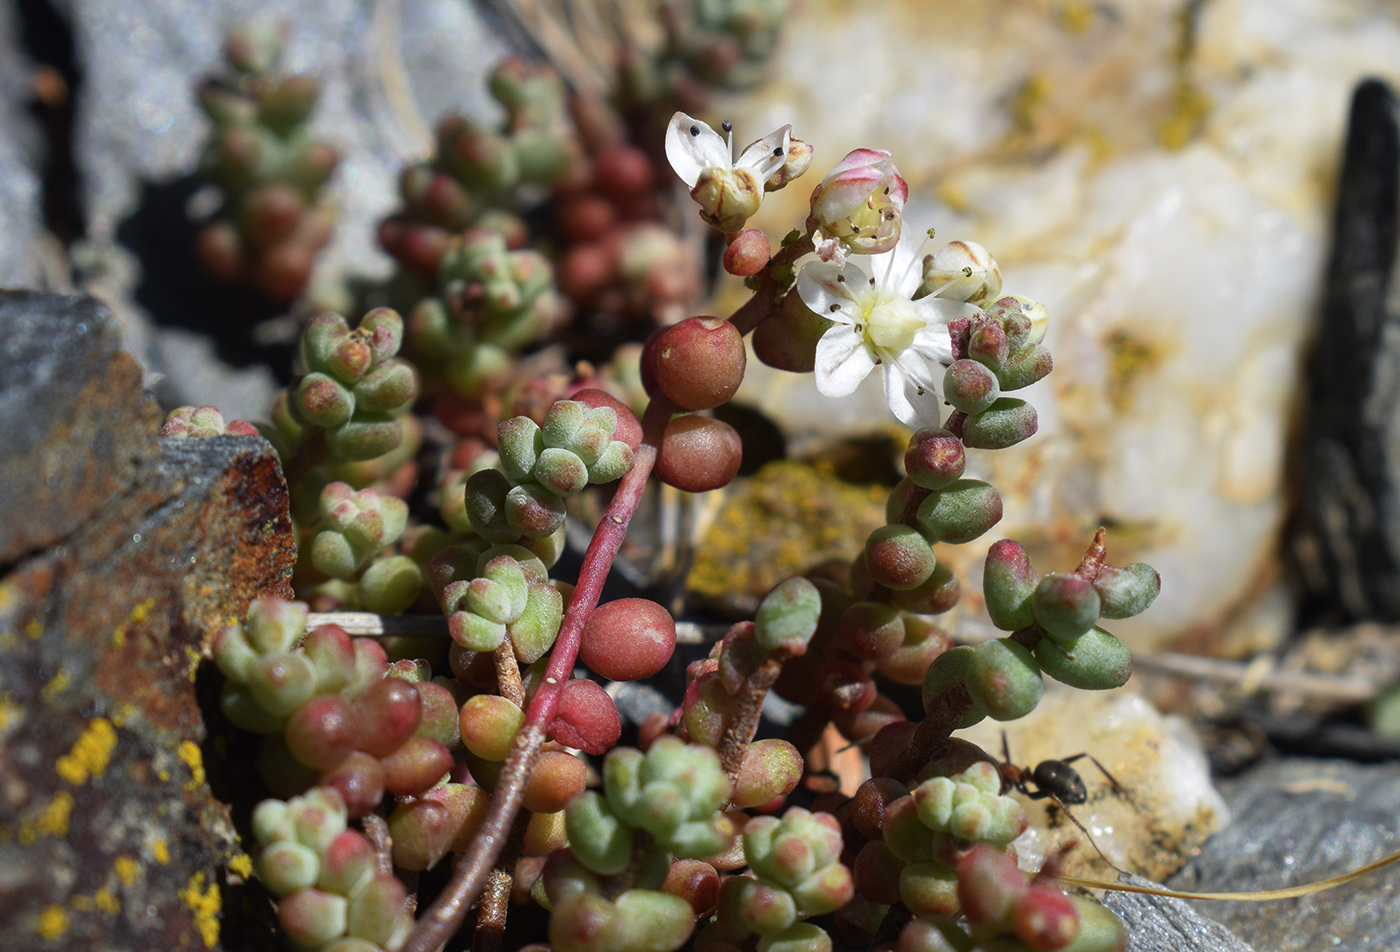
(727, 190)
(878, 325)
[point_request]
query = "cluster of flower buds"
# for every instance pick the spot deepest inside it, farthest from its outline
(353, 387)
(584, 919)
(493, 303)
(729, 190)
(355, 527)
(344, 723)
(202, 422)
(331, 895)
(1066, 607)
(270, 226)
(997, 351)
(478, 169)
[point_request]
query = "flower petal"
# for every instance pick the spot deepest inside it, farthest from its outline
(842, 361)
(899, 271)
(910, 391)
(828, 289)
(933, 343)
(767, 155)
(692, 147)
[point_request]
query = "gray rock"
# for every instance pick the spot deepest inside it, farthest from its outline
(21, 220)
(387, 70)
(1161, 924)
(74, 423)
(1303, 821)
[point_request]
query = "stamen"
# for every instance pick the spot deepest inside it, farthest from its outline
(727, 126)
(694, 130)
(921, 391)
(778, 151)
(967, 272)
(887, 189)
(840, 279)
(834, 308)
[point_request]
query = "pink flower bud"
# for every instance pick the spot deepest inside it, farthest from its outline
(859, 204)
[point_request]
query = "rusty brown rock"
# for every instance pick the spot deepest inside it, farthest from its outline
(110, 835)
(75, 424)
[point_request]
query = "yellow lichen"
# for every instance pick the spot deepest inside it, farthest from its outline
(55, 686)
(190, 754)
(1077, 16)
(34, 629)
(1129, 358)
(90, 754)
(163, 774)
(53, 923)
(127, 869)
(107, 901)
(52, 821)
(81, 903)
(160, 852)
(242, 864)
(205, 904)
(195, 658)
(1033, 94)
(142, 611)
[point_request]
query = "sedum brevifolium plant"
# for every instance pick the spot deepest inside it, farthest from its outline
(433, 470)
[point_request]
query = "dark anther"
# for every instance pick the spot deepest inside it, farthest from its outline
(967, 272)
(887, 189)
(840, 279)
(695, 130)
(921, 391)
(778, 151)
(727, 126)
(834, 308)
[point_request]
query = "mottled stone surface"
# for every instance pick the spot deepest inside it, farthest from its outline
(74, 422)
(1159, 924)
(125, 552)
(1302, 821)
(111, 836)
(21, 221)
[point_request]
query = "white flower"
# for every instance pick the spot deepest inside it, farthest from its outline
(728, 191)
(878, 324)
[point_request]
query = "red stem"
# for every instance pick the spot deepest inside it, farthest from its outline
(445, 916)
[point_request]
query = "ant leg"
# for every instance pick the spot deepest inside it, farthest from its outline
(1075, 820)
(1118, 788)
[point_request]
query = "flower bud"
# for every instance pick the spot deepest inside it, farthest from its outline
(727, 197)
(796, 162)
(698, 363)
(963, 271)
(860, 202)
(747, 253)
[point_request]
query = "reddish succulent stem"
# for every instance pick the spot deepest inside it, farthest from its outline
(446, 914)
(769, 296)
(933, 733)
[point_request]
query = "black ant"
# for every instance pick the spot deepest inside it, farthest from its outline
(1059, 781)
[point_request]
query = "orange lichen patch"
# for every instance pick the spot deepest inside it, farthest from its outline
(51, 821)
(90, 754)
(205, 904)
(242, 864)
(191, 755)
(52, 923)
(55, 686)
(127, 869)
